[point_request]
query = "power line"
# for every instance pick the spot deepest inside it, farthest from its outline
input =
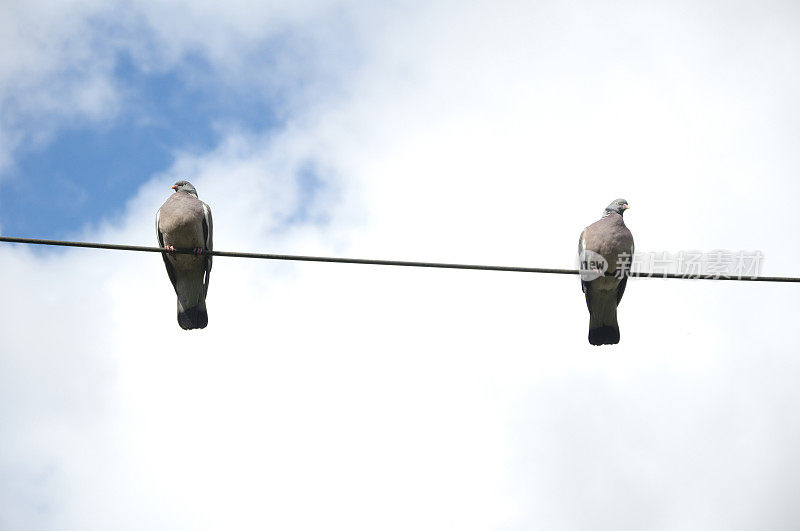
(366, 261)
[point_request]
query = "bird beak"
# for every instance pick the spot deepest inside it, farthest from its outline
(175, 187)
(626, 207)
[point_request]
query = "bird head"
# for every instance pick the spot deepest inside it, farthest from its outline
(184, 186)
(617, 206)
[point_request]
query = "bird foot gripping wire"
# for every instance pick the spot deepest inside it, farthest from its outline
(198, 251)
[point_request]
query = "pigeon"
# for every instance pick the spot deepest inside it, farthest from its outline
(604, 247)
(184, 222)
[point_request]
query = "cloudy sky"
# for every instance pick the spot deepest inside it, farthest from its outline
(328, 396)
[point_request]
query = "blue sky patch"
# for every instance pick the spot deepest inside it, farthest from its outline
(87, 172)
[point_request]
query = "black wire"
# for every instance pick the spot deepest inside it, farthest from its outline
(367, 261)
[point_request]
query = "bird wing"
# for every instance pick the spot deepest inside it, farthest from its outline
(170, 269)
(584, 284)
(208, 235)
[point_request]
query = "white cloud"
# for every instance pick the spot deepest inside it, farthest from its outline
(356, 397)
(59, 66)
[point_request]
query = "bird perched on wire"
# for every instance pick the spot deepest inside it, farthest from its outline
(605, 251)
(184, 222)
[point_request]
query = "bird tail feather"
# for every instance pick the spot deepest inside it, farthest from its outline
(192, 318)
(603, 327)
(191, 300)
(605, 335)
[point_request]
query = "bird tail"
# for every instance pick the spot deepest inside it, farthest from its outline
(603, 327)
(605, 335)
(191, 318)
(191, 300)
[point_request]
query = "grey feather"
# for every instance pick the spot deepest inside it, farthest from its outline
(185, 222)
(610, 239)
